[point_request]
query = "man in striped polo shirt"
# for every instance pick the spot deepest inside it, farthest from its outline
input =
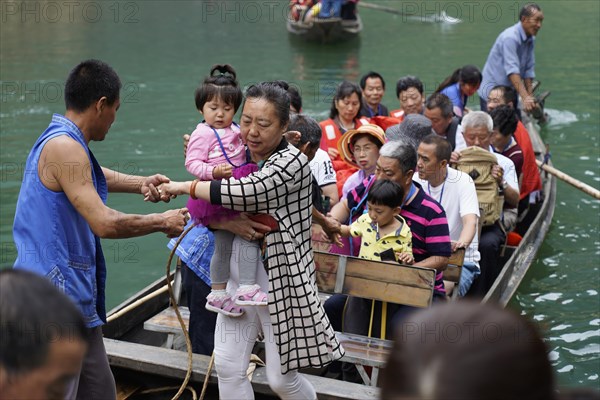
(425, 216)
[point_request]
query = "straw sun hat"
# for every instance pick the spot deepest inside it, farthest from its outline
(346, 148)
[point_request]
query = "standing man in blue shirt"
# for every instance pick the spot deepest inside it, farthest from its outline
(511, 61)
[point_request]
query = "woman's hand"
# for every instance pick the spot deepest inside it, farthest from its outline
(243, 227)
(151, 189)
(170, 190)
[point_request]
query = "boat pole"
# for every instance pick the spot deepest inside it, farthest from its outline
(385, 9)
(584, 187)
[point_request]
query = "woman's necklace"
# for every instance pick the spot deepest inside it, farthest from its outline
(344, 126)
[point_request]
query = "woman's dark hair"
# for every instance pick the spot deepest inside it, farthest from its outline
(276, 93)
(503, 352)
(371, 74)
(385, 192)
(345, 89)
(505, 119)
(469, 74)
(222, 84)
(406, 82)
(88, 82)
(33, 315)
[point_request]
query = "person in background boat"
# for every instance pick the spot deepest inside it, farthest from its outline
(511, 61)
(349, 10)
(360, 149)
(373, 89)
(455, 191)
(409, 91)
(478, 130)
(462, 84)
(61, 206)
(435, 347)
(438, 108)
(530, 198)
(296, 330)
(43, 338)
(330, 9)
(216, 151)
(299, 9)
(412, 130)
(343, 116)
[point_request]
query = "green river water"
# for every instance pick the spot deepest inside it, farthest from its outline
(162, 49)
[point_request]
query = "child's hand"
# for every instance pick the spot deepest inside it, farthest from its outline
(222, 171)
(405, 258)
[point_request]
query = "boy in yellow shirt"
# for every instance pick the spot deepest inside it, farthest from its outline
(385, 234)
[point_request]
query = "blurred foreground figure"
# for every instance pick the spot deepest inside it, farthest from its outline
(42, 338)
(468, 350)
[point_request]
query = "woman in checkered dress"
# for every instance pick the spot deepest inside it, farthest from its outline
(296, 329)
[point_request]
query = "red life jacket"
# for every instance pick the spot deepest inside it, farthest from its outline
(531, 180)
(399, 113)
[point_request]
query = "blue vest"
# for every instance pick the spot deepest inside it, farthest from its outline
(53, 239)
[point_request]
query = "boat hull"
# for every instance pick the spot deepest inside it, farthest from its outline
(326, 30)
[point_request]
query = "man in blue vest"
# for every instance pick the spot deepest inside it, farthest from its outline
(61, 212)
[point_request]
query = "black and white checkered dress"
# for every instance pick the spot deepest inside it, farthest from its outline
(282, 188)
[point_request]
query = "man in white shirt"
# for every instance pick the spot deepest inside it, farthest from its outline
(477, 131)
(455, 191)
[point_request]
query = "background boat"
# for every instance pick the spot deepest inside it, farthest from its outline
(331, 30)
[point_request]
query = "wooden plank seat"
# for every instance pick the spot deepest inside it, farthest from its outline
(453, 271)
(383, 281)
(166, 321)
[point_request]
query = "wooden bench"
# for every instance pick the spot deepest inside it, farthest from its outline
(390, 282)
(453, 272)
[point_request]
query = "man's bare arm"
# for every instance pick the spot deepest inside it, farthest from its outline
(438, 263)
(71, 174)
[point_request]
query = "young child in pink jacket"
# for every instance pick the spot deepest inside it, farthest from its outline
(216, 151)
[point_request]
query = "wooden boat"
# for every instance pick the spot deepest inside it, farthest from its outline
(137, 354)
(329, 30)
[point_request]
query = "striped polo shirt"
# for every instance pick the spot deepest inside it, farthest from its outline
(430, 233)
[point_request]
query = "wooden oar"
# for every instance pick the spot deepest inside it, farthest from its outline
(385, 9)
(570, 180)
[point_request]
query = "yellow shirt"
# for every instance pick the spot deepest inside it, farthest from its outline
(400, 241)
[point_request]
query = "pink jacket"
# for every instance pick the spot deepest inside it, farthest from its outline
(204, 153)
